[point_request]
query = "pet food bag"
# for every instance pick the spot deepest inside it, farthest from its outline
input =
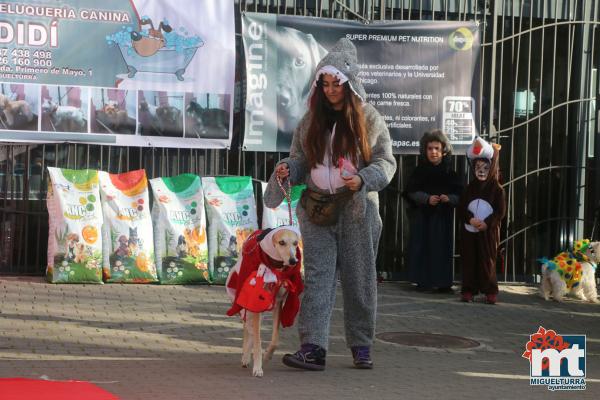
(180, 230)
(127, 231)
(274, 217)
(231, 212)
(75, 224)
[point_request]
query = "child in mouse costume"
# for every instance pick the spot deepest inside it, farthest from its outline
(480, 211)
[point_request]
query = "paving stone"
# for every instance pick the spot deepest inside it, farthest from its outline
(175, 342)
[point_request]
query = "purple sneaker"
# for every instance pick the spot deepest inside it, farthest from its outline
(310, 357)
(362, 357)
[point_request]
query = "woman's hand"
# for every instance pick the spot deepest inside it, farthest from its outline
(353, 182)
(282, 171)
(444, 198)
(434, 200)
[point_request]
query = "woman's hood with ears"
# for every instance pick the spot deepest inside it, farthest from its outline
(342, 62)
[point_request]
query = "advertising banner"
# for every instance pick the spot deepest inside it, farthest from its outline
(420, 75)
(117, 72)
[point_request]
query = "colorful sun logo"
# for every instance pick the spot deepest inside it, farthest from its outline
(461, 39)
(544, 339)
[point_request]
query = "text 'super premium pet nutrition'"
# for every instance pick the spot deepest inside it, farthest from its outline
(127, 230)
(75, 223)
(231, 212)
(180, 230)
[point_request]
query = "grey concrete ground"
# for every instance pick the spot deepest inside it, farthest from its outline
(175, 343)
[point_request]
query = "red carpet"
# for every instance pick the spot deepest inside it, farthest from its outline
(35, 389)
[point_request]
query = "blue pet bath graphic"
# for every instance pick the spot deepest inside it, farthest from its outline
(160, 50)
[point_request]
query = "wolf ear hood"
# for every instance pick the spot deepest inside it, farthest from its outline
(342, 62)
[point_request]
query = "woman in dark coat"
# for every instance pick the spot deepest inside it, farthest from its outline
(433, 191)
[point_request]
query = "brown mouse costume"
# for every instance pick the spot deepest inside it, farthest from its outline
(483, 199)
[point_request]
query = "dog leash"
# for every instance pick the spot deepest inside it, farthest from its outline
(288, 196)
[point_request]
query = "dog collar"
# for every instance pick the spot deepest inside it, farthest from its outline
(273, 263)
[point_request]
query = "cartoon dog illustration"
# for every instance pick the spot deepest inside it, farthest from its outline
(242, 234)
(81, 253)
(134, 243)
(192, 242)
(72, 240)
(147, 46)
(181, 247)
(123, 250)
(232, 247)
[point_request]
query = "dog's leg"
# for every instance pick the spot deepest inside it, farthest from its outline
(578, 293)
(588, 282)
(247, 345)
(256, 346)
(545, 287)
(275, 337)
(559, 289)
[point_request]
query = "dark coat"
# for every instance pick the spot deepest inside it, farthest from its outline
(430, 243)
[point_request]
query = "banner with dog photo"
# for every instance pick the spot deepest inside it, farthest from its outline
(127, 73)
(420, 75)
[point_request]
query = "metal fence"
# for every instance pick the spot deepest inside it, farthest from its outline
(538, 90)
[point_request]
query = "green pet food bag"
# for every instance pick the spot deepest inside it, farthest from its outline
(127, 230)
(280, 215)
(75, 224)
(231, 212)
(180, 230)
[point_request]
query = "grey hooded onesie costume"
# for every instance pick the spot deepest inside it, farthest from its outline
(350, 246)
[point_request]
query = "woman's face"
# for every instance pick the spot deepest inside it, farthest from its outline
(434, 152)
(482, 170)
(333, 91)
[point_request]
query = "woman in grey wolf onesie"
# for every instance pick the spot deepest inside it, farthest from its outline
(340, 129)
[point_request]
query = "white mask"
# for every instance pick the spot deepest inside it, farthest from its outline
(482, 170)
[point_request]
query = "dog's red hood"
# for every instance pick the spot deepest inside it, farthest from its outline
(252, 256)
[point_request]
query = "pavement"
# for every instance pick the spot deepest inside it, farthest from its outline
(176, 343)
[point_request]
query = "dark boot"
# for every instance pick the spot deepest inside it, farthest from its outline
(491, 298)
(362, 357)
(310, 357)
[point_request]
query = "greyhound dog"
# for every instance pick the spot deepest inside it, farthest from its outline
(266, 277)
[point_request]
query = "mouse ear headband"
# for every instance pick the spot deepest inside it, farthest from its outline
(480, 149)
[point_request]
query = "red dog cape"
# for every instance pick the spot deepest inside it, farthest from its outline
(258, 275)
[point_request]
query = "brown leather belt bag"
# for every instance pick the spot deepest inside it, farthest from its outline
(323, 209)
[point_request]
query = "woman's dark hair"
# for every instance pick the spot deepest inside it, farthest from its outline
(350, 132)
(436, 135)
